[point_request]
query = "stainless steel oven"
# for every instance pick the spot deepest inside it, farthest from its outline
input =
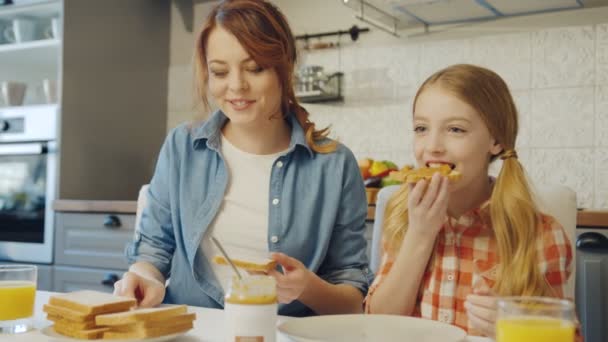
(27, 182)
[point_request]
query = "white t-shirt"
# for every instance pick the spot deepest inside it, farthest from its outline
(241, 225)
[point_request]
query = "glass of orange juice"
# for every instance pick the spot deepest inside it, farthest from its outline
(17, 293)
(535, 319)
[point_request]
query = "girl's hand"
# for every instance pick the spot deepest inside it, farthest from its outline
(481, 311)
(148, 292)
(294, 279)
(428, 207)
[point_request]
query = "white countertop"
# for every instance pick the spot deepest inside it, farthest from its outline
(207, 326)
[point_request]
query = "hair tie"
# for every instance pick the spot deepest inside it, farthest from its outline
(508, 154)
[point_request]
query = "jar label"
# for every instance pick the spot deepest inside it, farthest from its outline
(249, 339)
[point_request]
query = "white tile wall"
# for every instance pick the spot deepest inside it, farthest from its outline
(559, 79)
(563, 57)
(562, 117)
(602, 54)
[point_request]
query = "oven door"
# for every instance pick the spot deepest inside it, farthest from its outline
(27, 188)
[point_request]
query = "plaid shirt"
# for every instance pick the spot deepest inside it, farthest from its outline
(465, 258)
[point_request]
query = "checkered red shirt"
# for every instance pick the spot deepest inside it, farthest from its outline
(465, 259)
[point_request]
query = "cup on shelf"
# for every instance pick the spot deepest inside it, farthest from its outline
(51, 29)
(12, 93)
(20, 30)
(5, 25)
(49, 87)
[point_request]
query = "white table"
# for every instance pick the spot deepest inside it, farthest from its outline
(207, 326)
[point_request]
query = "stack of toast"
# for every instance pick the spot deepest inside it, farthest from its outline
(146, 323)
(95, 315)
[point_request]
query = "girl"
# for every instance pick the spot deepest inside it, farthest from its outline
(451, 248)
(258, 176)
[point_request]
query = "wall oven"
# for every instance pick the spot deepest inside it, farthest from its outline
(27, 182)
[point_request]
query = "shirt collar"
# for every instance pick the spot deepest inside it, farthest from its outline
(210, 132)
(480, 214)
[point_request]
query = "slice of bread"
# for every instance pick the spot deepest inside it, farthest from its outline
(147, 333)
(138, 315)
(91, 334)
(92, 302)
(72, 324)
(427, 173)
(144, 325)
(263, 266)
(67, 313)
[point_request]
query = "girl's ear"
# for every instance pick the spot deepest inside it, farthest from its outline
(496, 148)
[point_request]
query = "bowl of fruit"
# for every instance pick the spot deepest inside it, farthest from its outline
(378, 174)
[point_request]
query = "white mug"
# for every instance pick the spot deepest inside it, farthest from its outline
(49, 87)
(12, 93)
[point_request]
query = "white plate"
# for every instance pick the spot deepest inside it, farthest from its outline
(50, 332)
(363, 328)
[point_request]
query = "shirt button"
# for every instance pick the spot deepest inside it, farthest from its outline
(274, 239)
(275, 201)
(279, 164)
(450, 276)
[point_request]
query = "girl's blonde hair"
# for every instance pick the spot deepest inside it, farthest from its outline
(265, 34)
(514, 216)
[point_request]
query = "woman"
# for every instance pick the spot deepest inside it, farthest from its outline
(258, 176)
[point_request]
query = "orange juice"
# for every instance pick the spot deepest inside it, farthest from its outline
(16, 299)
(534, 329)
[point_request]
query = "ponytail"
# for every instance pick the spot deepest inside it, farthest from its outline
(516, 222)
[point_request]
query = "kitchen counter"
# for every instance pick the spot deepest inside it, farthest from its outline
(592, 218)
(585, 218)
(123, 207)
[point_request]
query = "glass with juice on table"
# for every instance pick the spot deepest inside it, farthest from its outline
(17, 293)
(535, 319)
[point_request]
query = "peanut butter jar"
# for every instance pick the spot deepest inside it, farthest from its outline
(250, 310)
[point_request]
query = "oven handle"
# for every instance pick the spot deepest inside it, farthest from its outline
(23, 149)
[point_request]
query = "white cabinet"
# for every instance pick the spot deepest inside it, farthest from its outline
(29, 51)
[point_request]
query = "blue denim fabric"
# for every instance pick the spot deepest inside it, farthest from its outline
(320, 217)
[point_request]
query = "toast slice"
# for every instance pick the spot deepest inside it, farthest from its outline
(148, 333)
(263, 266)
(138, 315)
(427, 173)
(58, 320)
(91, 334)
(92, 302)
(145, 325)
(67, 313)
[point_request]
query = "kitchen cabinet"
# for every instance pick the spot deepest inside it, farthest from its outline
(591, 282)
(44, 276)
(90, 240)
(67, 279)
(93, 239)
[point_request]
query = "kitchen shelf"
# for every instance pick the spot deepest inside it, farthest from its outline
(39, 10)
(35, 54)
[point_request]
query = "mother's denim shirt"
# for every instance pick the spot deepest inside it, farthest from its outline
(316, 213)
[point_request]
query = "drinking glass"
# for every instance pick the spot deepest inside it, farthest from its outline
(17, 293)
(535, 319)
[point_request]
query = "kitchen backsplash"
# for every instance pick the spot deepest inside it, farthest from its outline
(558, 76)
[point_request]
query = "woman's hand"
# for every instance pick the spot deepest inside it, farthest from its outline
(481, 311)
(294, 279)
(427, 208)
(148, 292)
